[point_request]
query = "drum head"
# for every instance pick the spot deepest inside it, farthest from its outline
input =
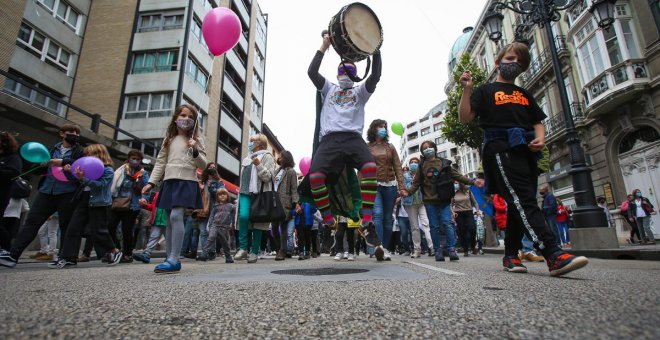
(363, 28)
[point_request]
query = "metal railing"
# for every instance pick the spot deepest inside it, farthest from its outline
(96, 120)
(542, 61)
(557, 123)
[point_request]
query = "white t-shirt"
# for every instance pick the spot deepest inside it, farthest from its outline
(640, 210)
(343, 110)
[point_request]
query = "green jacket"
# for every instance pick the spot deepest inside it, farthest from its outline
(427, 176)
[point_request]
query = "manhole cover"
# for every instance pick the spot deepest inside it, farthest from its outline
(320, 271)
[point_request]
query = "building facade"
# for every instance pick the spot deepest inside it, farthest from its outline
(611, 78)
(130, 63)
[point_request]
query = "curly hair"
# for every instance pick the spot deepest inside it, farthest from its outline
(372, 133)
(429, 144)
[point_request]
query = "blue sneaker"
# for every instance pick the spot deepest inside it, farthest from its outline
(144, 257)
(168, 267)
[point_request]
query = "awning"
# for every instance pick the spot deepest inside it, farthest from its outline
(231, 187)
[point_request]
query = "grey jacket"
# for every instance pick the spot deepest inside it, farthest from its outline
(288, 190)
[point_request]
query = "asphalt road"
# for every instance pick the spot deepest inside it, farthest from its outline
(403, 298)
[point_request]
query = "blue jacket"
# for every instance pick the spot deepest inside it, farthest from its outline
(100, 193)
(49, 185)
(549, 205)
(308, 214)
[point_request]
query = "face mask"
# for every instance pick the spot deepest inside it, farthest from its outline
(543, 194)
(382, 133)
(250, 146)
(428, 152)
(413, 167)
(71, 138)
(509, 71)
(456, 187)
(213, 172)
(134, 163)
(345, 82)
(185, 123)
(638, 194)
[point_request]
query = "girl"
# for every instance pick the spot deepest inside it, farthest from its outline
(93, 209)
(286, 185)
(257, 171)
(176, 165)
(562, 223)
(222, 221)
(158, 221)
(463, 203)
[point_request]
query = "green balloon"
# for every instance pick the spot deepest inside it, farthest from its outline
(397, 128)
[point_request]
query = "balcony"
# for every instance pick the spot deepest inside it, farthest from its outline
(543, 62)
(556, 124)
(615, 85)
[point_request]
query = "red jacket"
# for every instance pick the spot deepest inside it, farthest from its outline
(500, 211)
(562, 213)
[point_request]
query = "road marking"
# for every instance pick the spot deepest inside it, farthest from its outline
(446, 271)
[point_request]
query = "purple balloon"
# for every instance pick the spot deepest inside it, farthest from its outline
(92, 166)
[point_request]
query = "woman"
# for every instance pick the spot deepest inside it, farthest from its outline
(633, 225)
(10, 167)
(389, 177)
(127, 186)
(562, 223)
(256, 173)
(286, 185)
(464, 203)
(639, 211)
(414, 207)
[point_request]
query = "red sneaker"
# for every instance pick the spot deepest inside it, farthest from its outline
(561, 263)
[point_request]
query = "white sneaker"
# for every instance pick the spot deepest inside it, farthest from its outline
(386, 256)
(351, 257)
(241, 255)
(345, 255)
(338, 257)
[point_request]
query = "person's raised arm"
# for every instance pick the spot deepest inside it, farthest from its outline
(374, 78)
(465, 113)
(313, 70)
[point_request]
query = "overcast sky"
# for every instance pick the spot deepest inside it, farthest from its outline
(417, 37)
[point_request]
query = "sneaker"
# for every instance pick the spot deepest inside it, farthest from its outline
(345, 257)
(280, 256)
(37, 254)
(481, 251)
(532, 257)
(53, 264)
(82, 258)
(453, 256)
(241, 255)
(202, 258)
(406, 253)
(370, 236)
(379, 252)
(62, 263)
(190, 255)
(561, 263)
(416, 254)
(439, 257)
(261, 255)
(351, 257)
(168, 267)
(144, 257)
(387, 256)
(47, 257)
(302, 256)
(126, 259)
(431, 252)
(513, 264)
(115, 258)
(6, 260)
(229, 259)
(338, 257)
(252, 258)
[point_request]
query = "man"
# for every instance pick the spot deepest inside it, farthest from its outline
(550, 210)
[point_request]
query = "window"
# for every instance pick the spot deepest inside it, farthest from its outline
(412, 136)
(207, 4)
(63, 12)
(259, 59)
(439, 140)
(160, 21)
(155, 61)
(413, 149)
(442, 154)
(425, 131)
(197, 73)
(483, 58)
(43, 48)
(591, 59)
(149, 105)
(196, 29)
(257, 83)
(612, 46)
(31, 95)
(629, 38)
(437, 126)
(255, 108)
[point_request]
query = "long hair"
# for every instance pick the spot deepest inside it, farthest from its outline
(99, 151)
(8, 144)
(287, 159)
(173, 131)
(206, 173)
(372, 133)
(429, 144)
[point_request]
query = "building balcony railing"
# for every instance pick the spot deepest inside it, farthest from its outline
(541, 63)
(557, 123)
(619, 76)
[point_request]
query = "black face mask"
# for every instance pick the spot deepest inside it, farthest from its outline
(71, 138)
(213, 172)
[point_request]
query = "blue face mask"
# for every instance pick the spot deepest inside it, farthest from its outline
(428, 152)
(250, 146)
(413, 167)
(382, 133)
(638, 194)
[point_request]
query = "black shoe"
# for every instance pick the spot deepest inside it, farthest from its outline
(113, 259)
(289, 255)
(126, 259)
(202, 258)
(453, 256)
(6, 260)
(190, 255)
(439, 257)
(62, 263)
(229, 259)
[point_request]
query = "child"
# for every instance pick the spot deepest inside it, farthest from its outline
(513, 136)
(304, 222)
(93, 209)
(435, 178)
(158, 221)
(223, 219)
(176, 165)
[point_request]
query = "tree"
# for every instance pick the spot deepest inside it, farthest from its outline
(463, 134)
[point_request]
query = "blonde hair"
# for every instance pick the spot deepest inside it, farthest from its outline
(220, 192)
(261, 138)
(520, 49)
(99, 151)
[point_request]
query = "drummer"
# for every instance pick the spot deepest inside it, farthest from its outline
(340, 137)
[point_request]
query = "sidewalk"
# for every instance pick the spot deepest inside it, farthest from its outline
(624, 252)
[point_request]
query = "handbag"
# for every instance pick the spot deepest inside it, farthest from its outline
(266, 206)
(121, 203)
(20, 188)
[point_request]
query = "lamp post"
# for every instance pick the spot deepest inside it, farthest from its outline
(542, 13)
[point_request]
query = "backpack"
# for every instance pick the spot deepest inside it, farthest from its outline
(20, 188)
(444, 184)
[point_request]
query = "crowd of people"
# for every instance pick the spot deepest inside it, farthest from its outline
(437, 210)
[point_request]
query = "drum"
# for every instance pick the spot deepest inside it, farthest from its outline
(355, 32)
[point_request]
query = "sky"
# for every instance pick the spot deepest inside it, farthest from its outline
(417, 38)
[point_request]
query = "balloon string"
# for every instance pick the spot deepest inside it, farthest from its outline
(29, 171)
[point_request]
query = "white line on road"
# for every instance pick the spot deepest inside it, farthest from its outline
(446, 271)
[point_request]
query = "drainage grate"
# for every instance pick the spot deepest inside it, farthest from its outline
(320, 271)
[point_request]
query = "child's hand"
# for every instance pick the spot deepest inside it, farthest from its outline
(466, 80)
(537, 144)
(80, 173)
(146, 189)
(67, 168)
(192, 143)
(479, 182)
(143, 202)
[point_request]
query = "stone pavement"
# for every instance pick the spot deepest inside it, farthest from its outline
(404, 298)
(624, 252)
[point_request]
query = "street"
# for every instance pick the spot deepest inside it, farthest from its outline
(404, 298)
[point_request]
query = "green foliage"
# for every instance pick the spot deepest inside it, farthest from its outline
(463, 134)
(544, 163)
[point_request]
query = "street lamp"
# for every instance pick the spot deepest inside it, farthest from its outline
(542, 13)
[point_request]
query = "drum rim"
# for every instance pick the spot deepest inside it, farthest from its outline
(344, 34)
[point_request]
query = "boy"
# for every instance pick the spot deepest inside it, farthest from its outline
(513, 137)
(223, 219)
(340, 137)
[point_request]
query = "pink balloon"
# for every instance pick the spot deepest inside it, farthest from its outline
(221, 29)
(304, 165)
(58, 173)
